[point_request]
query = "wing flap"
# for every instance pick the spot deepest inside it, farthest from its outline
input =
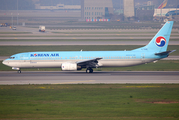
(89, 62)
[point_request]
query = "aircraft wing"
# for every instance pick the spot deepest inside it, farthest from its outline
(89, 63)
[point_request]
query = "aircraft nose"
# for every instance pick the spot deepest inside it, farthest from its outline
(4, 62)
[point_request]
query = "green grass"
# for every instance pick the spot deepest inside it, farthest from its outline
(90, 102)
(10, 50)
(15, 32)
(162, 65)
(72, 35)
(108, 32)
(74, 39)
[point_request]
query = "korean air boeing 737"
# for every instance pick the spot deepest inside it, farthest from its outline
(76, 60)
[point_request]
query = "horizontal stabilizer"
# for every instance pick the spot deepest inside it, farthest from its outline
(165, 53)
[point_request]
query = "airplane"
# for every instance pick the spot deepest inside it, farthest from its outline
(163, 5)
(155, 50)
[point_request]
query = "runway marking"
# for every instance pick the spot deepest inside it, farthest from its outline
(76, 82)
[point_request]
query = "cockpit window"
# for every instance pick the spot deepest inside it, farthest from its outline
(11, 57)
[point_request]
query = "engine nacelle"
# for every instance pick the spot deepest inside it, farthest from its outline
(69, 66)
(14, 68)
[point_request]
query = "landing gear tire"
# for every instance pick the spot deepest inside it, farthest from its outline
(89, 70)
(19, 71)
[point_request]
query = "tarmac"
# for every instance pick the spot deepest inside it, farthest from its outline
(80, 77)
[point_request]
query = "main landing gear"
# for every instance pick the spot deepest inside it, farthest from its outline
(89, 70)
(19, 71)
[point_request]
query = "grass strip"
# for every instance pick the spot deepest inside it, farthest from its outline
(74, 39)
(86, 36)
(15, 32)
(108, 32)
(90, 102)
(127, 32)
(98, 36)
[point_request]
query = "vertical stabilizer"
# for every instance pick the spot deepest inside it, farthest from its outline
(164, 4)
(161, 39)
(159, 42)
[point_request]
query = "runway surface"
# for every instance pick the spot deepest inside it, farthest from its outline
(80, 77)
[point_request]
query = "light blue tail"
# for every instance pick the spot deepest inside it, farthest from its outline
(159, 43)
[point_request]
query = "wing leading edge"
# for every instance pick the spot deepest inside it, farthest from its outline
(91, 63)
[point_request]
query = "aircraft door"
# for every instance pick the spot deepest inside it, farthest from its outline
(143, 57)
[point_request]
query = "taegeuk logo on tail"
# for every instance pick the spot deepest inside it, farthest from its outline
(160, 41)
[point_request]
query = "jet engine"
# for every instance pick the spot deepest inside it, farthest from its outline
(69, 66)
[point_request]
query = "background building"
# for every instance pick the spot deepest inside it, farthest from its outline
(58, 7)
(128, 8)
(144, 12)
(96, 9)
